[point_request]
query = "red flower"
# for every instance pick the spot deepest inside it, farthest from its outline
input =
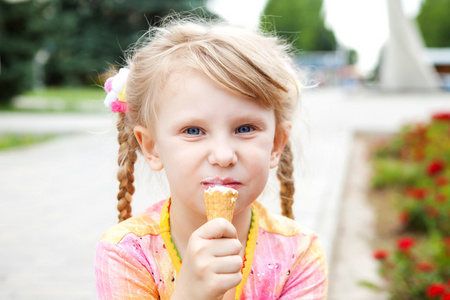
(446, 241)
(432, 212)
(425, 267)
(435, 167)
(403, 216)
(405, 243)
(446, 297)
(442, 116)
(380, 254)
(416, 193)
(420, 129)
(441, 181)
(441, 199)
(435, 289)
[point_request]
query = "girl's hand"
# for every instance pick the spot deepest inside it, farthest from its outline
(212, 264)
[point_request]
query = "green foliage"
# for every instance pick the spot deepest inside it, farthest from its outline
(428, 213)
(352, 57)
(68, 93)
(300, 22)
(81, 38)
(89, 36)
(392, 173)
(370, 285)
(414, 266)
(416, 163)
(434, 22)
(9, 140)
(418, 267)
(60, 99)
(21, 35)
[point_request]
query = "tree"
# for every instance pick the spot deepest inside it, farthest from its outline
(300, 22)
(352, 57)
(21, 35)
(89, 36)
(82, 38)
(434, 22)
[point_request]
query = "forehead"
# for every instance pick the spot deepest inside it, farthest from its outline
(192, 92)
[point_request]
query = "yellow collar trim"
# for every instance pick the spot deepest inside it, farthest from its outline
(167, 238)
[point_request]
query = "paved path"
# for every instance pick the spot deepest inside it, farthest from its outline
(58, 200)
(352, 260)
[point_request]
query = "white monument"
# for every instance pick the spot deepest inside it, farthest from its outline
(404, 65)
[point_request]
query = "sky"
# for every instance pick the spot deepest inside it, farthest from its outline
(358, 24)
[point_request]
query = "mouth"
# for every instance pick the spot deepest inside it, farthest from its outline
(221, 181)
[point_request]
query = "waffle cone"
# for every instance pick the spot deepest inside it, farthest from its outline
(220, 203)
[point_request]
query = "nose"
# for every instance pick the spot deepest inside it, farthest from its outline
(222, 153)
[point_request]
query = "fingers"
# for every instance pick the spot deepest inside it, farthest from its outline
(217, 238)
(216, 229)
(212, 263)
(225, 246)
(227, 265)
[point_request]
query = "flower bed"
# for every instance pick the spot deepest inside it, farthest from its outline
(413, 168)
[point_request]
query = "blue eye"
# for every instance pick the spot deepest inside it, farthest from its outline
(193, 131)
(244, 129)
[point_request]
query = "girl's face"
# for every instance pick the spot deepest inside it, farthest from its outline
(206, 136)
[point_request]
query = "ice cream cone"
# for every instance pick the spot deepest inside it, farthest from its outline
(220, 202)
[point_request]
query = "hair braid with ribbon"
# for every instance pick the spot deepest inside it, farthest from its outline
(116, 101)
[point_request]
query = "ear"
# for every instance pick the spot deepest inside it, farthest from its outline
(148, 148)
(282, 133)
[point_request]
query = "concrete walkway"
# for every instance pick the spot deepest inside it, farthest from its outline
(59, 197)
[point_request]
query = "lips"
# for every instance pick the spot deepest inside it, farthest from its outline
(221, 181)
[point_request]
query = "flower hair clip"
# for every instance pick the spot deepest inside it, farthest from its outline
(115, 87)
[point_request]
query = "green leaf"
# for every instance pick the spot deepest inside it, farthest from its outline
(370, 285)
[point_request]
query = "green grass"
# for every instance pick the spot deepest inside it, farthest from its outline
(9, 140)
(59, 99)
(68, 93)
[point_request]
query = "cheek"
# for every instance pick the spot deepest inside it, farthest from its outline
(261, 162)
(258, 166)
(176, 155)
(180, 164)
(264, 153)
(261, 176)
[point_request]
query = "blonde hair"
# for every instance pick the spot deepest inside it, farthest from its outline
(241, 61)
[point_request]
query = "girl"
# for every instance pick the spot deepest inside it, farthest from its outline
(211, 105)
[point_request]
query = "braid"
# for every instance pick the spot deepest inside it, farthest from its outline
(127, 158)
(285, 175)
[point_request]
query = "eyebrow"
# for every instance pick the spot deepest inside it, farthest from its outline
(245, 119)
(250, 119)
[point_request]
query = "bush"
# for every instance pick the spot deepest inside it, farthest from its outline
(89, 37)
(21, 35)
(416, 269)
(415, 164)
(390, 172)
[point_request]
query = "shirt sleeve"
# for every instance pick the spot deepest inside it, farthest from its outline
(121, 276)
(309, 278)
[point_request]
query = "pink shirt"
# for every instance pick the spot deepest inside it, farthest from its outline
(136, 259)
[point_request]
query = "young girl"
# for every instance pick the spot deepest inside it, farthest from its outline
(211, 105)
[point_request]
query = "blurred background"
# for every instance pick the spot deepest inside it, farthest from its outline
(72, 43)
(377, 83)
